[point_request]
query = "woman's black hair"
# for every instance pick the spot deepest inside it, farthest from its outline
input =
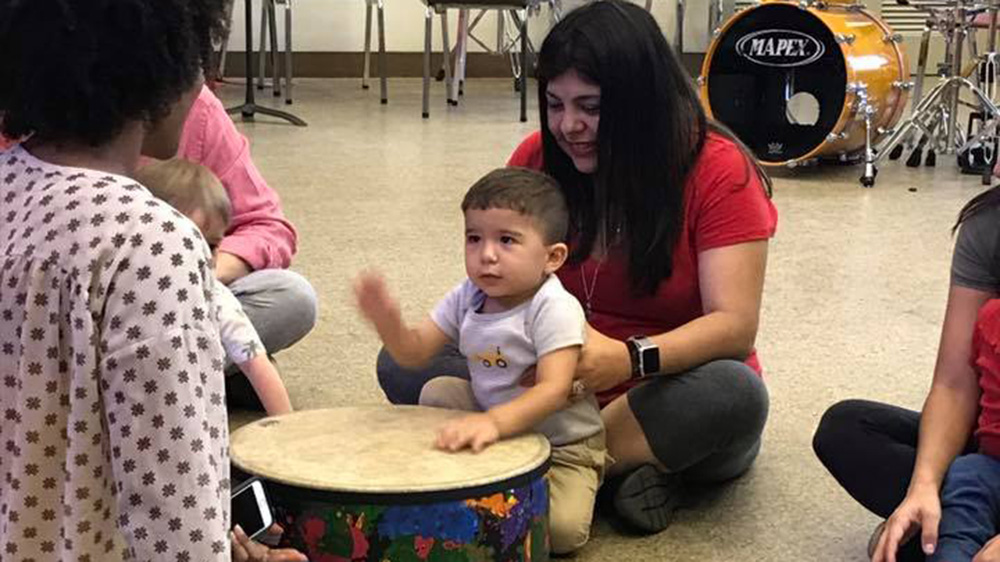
(985, 200)
(79, 70)
(652, 129)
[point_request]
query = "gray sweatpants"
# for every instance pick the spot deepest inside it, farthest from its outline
(705, 423)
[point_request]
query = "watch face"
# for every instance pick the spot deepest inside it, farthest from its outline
(650, 360)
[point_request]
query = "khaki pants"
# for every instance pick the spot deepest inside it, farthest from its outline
(576, 472)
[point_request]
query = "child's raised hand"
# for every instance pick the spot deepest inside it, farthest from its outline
(373, 298)
(475, 431)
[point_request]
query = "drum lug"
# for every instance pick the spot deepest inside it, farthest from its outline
(900, 85)
(893, 38)
(701, 80)
(844, 38)
(717, 32)
(834, 137)
(857, 87)
(854, 8)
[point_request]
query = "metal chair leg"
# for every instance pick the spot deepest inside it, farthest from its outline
(288, 52)
(368, 45)
(461, 46)
(262, 51)
(444, 54)
(680, 27)
(918, 81)
(272, 28)
(383, 66)
(220, 72)
(428, 20)
(524, 68)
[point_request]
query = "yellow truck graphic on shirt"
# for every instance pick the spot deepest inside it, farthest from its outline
(490, 358)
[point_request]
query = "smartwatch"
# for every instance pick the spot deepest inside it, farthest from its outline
(645, 356)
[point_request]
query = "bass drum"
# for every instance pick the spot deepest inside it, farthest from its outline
(791, 80)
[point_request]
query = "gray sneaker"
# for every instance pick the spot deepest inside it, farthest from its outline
(646, 498)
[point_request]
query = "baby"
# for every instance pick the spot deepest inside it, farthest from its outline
(194, 190)
(521, 333)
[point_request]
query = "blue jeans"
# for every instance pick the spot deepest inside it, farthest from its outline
(970, 506)
(705, 423)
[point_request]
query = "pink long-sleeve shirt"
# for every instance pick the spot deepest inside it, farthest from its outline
(259, 233)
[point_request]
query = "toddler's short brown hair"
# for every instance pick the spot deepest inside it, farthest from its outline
(533, 194)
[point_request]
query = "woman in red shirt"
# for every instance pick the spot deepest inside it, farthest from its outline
(670, 224)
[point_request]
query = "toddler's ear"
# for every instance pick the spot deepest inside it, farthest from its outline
(557, 254)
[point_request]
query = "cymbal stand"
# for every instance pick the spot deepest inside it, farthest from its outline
(936, 115)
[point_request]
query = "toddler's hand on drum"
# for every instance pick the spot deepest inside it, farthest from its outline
(476, 431)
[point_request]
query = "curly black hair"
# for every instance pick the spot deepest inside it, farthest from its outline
(79, 70)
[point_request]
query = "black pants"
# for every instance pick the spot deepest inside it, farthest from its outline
(705, 423)
(870, 449)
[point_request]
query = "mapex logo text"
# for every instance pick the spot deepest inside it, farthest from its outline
(780, 47)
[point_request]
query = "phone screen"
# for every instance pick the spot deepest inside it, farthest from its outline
(247, 512)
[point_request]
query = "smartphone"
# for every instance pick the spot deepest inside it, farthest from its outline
(251, 509)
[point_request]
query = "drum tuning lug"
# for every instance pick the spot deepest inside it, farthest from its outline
(883, 131)
(900, 85)
(845, 38)
(893, 38)
(856, 87)
(701, 80)
(854, 8)
(805, 4)
(834, 137)
(717, 32)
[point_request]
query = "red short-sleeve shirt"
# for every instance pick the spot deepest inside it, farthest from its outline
(986, 361)
(725, 204)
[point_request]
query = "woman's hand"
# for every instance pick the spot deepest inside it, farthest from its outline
(990, 551)
(604, 362)
(920, 510)
(246, 550)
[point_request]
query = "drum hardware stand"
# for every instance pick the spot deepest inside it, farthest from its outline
(936, 116)
(954, 24)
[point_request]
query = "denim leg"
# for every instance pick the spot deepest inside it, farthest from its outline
(402, 385)
(970, 503)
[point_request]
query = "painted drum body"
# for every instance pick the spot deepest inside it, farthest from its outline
(784, 77)
(366, 483)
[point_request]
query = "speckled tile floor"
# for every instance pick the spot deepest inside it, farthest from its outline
(854, 298)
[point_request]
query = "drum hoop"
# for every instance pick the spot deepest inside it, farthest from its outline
(347, 497)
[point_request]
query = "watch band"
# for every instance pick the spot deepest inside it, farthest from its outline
(645, 356)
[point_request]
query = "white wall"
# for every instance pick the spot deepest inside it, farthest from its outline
(338, 25)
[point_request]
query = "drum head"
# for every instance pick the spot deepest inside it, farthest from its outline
(777, 78)
(376, 450)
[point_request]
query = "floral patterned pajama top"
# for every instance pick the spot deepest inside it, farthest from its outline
(112, 415)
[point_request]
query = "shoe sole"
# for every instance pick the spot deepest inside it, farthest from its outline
(647, 499)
